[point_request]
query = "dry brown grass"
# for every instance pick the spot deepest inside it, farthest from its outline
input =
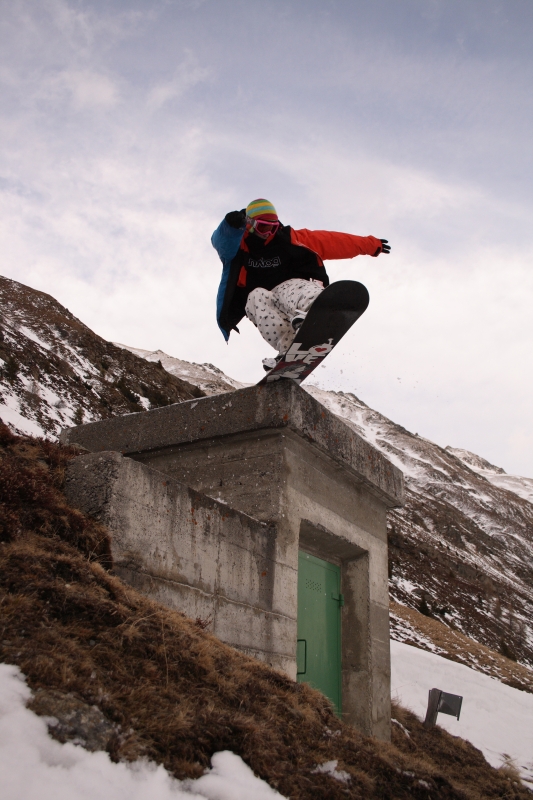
(456, 646)
(177, 693)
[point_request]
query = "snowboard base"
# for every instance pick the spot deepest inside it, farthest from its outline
(331, 315)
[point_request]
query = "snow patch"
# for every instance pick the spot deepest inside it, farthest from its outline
(407, 586)
(495, 718)
(11, 416)
(29, 334)
(330, 768)
(401, 727)
(33, 766)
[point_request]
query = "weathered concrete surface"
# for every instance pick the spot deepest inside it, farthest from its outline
(308, 480)
(339, 520)
(274, 406)
(192, 553)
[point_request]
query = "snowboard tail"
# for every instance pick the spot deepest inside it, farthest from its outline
(331, 315)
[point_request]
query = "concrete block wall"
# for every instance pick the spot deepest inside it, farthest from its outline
(191, 553)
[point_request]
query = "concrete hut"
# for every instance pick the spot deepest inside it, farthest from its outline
(264, 513)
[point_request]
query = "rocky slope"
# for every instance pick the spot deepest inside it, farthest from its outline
(55, 372)
(461, 548)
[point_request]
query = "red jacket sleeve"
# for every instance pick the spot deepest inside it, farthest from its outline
(330, 244)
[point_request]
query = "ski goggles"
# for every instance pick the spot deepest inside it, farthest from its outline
(264, 227)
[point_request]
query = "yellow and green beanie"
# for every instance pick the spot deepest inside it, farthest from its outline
(263, 209)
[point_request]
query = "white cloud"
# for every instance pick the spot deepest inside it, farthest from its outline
(85, 89)
(74, 24)
(83, 29)
(187, 75)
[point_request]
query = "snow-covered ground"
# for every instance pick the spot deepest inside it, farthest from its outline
(11, 416)
(495, 718)
(33, 766)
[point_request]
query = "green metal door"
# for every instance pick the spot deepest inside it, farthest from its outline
(319, 626)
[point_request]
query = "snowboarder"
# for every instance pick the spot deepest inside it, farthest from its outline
(272, 273)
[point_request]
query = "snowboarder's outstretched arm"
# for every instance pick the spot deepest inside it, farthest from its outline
(332, 244)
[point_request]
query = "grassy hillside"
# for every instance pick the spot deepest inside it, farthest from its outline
(166, 689)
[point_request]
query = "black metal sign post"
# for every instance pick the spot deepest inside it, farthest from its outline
(444, 703)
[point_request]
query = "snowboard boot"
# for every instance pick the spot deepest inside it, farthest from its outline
(298, 318)
(270, 363)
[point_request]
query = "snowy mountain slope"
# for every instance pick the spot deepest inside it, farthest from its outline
(462, 548)
(208, 378)
(523, 487)
(54, 371)
(427, 633)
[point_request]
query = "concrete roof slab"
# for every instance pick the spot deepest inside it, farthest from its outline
(274, 406)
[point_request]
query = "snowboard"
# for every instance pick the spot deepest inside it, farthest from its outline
(331, 315)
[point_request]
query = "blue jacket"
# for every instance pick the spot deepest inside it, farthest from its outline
(226, 241)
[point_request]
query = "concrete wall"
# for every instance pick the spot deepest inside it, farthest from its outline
(192, 553)
(321, 509)
(304, 479)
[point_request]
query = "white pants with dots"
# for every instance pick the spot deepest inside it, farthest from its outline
(271, 312)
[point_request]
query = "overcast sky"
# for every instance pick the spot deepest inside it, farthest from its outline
(129, 129)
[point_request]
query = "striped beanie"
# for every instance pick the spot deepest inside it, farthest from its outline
(263, 209)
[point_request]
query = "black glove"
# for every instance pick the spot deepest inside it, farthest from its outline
(385, 247)
(236, 219)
